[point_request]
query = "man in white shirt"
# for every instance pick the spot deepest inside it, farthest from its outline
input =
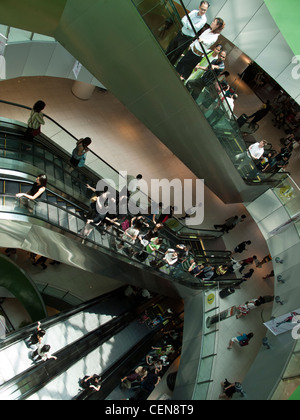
(133, 183)
(255, 151)
(170, 258)
(185, 37)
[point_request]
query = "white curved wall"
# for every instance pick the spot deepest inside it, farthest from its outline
(36, 58)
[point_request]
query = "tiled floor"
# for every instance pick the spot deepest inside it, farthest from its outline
(127, 145)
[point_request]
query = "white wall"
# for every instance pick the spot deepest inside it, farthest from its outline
(250, 26)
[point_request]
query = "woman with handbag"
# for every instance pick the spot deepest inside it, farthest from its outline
(35, 120)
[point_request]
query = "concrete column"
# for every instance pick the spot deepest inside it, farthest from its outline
(83, 90)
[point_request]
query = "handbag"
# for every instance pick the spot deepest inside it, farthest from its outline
(125, 225)
(244, 343)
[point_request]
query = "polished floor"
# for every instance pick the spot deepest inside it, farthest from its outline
(120, 139)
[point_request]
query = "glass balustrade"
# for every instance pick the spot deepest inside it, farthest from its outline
(211, 99)
(15, 113)
(40, 156)
(288, 193)
(113, 240)
(15, 35)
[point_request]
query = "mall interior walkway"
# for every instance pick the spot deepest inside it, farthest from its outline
(121, 140)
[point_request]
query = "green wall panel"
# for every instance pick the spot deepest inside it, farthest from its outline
(296, 395)
(286, 15)
(41, 16)
(21, 286)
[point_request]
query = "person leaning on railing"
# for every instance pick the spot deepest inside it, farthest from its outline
(255, 151)
(184, 38)
(186, 65)
(210, 75)
(37, 189)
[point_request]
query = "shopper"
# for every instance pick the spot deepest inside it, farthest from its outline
(230, 223)
(35, 120)
(37, 336)
(241, 339)
(254, 152)
(37, 189)
(42, 353)
(185, 37)
(228, 390)
(241, 247)
(186, 65)
(247, 261)
(79, 153)
(92, 382)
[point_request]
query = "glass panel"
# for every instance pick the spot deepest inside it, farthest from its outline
(40, 155)
(288, 193)
(3, 30)
(18, 35)
(39, 37)
(113, 239)
(215, 100)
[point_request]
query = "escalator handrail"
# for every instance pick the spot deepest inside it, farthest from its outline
(112, 370)
(25, 181)
(48, 322)
(66, 131)
(192, 229)
(155, 256)
(153, 269)
(107, 329)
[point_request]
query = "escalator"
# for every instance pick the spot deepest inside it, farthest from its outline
(64, 214)
(111, 376)
(75, 336)
(83, 318)
(41, 156)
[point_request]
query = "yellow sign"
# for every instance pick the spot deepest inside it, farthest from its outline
(210, 299)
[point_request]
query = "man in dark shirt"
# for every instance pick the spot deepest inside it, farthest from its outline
(147, 386)
(241, 247)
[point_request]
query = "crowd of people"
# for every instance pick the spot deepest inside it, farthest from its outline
(200, 63)
(140, 236)
(143, 379)
(143, 238)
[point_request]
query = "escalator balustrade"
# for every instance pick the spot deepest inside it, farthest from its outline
(61, 213)
(57, 204)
